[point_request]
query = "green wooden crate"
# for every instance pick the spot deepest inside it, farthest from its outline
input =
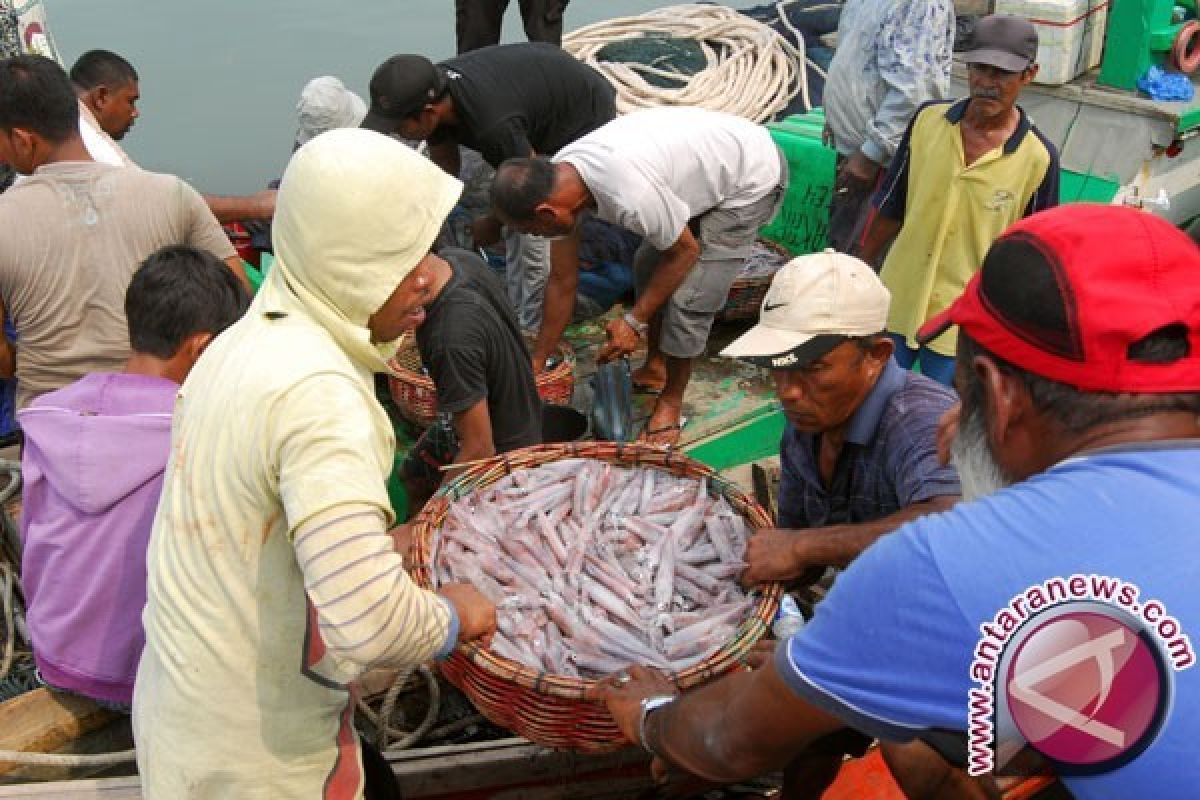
(802, 226)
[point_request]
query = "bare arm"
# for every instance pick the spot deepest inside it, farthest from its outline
(738, 727)
(776, 554)
(672, 268)
(560, 297)
(882, 230)
(258, 206)
(474, 430)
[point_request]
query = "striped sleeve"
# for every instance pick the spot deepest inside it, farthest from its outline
(369, 612)
(1047, 192)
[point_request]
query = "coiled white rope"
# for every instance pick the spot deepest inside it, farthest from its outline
(68, 759)
(751, 70)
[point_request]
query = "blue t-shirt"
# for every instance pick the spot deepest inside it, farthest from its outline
(890, 650)
(888, 461)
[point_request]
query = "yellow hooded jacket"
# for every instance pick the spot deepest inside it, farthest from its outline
(236, 694)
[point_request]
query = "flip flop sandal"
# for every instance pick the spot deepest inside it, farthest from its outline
(645, 388)
(678, 426)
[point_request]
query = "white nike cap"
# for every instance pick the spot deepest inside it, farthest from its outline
(815, 302)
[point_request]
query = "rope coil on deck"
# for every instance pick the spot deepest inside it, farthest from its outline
(750, 71)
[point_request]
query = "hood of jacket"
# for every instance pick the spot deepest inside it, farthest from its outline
(356, 211)
(100, 439)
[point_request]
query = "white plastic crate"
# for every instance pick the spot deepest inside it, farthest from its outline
(1070, 34)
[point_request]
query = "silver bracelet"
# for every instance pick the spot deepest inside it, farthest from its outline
(649, 704)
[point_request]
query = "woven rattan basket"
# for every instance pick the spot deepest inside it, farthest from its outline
(416, 399)
(551, 710)
(746, 293)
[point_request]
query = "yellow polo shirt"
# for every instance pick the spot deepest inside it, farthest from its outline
(951, 212)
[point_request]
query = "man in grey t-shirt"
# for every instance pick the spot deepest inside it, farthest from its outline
(75, 232)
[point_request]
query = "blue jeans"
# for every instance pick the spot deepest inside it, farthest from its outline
(933, 365)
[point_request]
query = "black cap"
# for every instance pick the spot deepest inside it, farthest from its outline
(1003, 41)
(400, 87)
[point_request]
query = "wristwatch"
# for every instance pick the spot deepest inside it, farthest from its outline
(639, 328)
(650, 704)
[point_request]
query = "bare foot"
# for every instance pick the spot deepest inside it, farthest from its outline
(648, 376)
(665, 426)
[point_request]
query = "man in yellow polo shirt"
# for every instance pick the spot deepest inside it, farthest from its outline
(964, 172)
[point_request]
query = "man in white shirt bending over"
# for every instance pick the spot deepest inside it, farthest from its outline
(697, 186)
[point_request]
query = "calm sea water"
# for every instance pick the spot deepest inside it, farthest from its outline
(220, 78)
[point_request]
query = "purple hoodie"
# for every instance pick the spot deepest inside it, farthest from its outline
(93, 466)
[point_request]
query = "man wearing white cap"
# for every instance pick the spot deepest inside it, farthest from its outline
(272, 582)
(859, 453)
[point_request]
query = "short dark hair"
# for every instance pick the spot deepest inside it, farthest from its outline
(1076, 411)
(521, 185)
(36, 94)
(102, 68)
(865, 343)
(177, 292)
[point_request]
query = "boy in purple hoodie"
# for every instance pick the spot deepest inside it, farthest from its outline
(93, 466)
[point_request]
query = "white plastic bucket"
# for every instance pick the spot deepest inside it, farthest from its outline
(1070, 34)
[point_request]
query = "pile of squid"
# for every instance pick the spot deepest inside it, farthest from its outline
(595, 567)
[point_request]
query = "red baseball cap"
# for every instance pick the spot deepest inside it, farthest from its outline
(1066, 293)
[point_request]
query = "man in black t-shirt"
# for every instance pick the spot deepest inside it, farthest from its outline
(473, 350)
(507, 101)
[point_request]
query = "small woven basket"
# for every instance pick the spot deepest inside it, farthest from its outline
(416, 398)
(551, 710)
(746, 293)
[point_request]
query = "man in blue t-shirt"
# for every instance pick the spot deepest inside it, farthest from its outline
(1052, 614)
(859, 453)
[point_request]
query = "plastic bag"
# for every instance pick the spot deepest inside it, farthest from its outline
(1163, 85)
(612, 401)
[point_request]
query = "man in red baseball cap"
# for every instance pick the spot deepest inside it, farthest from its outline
(1051, 616)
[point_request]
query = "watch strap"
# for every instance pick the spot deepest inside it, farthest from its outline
(639, 328)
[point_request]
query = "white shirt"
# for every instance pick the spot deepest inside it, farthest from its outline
(651, 171)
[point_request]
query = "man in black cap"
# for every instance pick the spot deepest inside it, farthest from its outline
(477, 23)
(971, 168)
(508, 101)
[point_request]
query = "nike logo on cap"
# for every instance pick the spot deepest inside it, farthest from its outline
(768, 307)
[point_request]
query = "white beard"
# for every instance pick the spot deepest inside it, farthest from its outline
(971, 454)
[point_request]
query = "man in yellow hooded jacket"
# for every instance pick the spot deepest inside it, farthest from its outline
(272, 581)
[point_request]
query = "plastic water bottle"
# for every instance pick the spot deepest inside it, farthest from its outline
(789, 620)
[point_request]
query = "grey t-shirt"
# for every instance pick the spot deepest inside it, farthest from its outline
(74, 234)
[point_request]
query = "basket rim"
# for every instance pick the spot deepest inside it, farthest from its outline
(487, 472)
(564, 369)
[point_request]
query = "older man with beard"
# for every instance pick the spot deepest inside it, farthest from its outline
(1079, 372)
